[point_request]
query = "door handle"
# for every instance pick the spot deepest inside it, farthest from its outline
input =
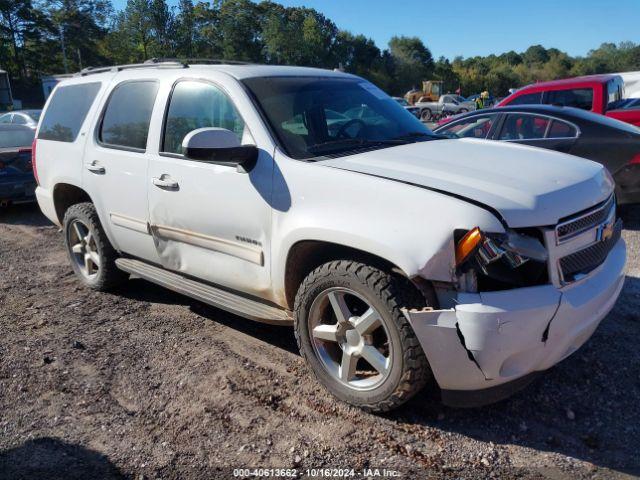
(165, 182)
(96, 168)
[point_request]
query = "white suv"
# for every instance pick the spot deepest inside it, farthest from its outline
(297, 195)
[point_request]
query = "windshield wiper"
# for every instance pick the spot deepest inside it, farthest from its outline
(418, 135)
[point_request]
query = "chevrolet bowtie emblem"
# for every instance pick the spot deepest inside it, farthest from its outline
(605, 232)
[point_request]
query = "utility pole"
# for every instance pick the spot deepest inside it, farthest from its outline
(79, 59)
(64, 50)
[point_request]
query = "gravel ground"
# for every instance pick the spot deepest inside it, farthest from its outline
(144, 383)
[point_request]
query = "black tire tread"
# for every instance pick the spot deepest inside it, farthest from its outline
(110, 275)
(396, 292)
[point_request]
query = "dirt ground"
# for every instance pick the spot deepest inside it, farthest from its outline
(144, 383)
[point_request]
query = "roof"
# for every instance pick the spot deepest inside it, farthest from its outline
(586, 79)
(250, 71)
(236, 69)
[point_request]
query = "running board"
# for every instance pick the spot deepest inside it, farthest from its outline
(216, 297)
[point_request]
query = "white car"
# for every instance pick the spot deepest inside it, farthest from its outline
(397, 255)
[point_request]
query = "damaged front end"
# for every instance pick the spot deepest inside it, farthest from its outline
(508, 317)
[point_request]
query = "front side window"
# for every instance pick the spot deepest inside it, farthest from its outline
(6, 118)
(524, 127)
(19, 120)
(125, 122)
(577, 98)
(324, 116)
(472, 127)
(527, 99)
(195, 105)
(67, 111)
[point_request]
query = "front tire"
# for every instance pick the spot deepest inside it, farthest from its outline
(91, 254)
(359, 345)
(425, 115)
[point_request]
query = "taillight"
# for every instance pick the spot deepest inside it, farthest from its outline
(33, 161)
(635, 160)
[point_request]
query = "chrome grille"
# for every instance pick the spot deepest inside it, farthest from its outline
(586, 260)
(583, 222)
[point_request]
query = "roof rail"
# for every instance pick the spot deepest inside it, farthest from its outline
(196, 61)
(117, 68)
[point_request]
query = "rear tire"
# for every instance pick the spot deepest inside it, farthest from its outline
(352, 333)
(91, 254)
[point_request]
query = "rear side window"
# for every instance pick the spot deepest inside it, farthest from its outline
(125, 123)
(578, 98)
(527, 99)
(66, 112)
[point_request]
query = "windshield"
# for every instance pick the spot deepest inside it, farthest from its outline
(323, 116)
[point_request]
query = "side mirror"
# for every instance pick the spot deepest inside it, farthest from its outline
(219, 146)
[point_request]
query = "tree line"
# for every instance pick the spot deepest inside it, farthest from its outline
(44, 37)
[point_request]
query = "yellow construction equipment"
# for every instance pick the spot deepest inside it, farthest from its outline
(431, 91)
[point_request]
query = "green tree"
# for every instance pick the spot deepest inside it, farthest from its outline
(413, 61)
(238, 31)
(137, 21)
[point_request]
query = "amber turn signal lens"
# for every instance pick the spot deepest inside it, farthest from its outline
(468, 244)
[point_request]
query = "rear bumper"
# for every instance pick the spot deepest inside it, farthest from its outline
(45, 202)
(495, 338)
(17, 188)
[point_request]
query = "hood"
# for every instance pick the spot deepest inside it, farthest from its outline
(528, 186)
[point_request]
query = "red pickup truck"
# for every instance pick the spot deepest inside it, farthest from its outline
(602, 94)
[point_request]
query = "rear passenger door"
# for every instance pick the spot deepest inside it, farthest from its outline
(538, 131)
(115, 165)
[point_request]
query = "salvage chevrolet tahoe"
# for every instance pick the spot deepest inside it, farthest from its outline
(309, 197)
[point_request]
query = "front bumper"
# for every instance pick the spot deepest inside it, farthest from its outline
(495, 338)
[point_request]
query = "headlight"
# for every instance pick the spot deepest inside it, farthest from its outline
(511, 259)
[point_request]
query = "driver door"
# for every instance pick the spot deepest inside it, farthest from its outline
(210, 221)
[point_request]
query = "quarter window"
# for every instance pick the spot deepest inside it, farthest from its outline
(195, 105)
(524, 127)
(125, 122)
(578, 98)
(473, 127)
(561, 130)
(66, 112)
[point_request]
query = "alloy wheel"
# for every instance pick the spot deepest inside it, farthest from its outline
(350, 338)
(83, 249)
